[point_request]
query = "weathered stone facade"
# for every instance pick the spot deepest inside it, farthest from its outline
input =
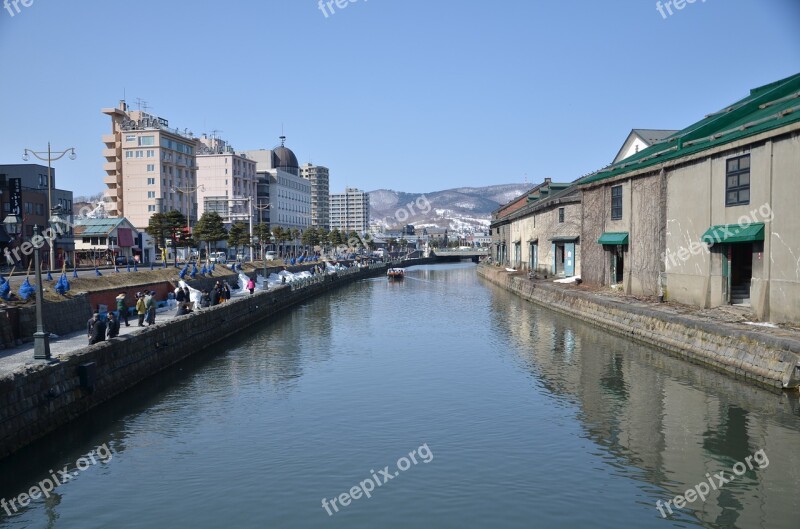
(764, 359)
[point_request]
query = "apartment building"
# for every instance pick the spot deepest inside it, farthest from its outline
(24, 192)
(319, 177)
(350, 210)
(227, 182)
(150, 167)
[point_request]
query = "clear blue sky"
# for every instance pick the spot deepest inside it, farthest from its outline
(414, 95)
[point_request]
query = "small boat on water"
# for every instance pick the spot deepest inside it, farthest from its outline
(395, 273)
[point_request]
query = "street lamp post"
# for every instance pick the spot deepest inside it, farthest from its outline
(13, 225)
(260, 219)
(41, 339)
(187, 191)
(51, 157)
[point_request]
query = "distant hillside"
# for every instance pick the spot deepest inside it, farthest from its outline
(463, 207)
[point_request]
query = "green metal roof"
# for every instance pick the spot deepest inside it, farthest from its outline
(767, 107)
(96, 226)
(730, 233)
(614, 238)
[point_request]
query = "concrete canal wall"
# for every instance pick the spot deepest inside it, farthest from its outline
(36, 401)
(758, 357)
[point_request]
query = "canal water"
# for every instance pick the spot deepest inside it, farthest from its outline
(447, 401)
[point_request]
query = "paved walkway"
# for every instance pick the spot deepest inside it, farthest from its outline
(15, 358)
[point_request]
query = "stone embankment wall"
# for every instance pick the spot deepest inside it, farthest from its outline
(44, 396)
(758, 357)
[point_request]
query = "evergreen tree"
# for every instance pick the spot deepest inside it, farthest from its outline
(163, 227)
(210, 229)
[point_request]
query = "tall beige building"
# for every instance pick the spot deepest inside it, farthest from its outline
(150, 167)
(225, 180)
(350, 210)
(320, 193)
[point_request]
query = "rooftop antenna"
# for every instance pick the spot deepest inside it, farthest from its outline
(282, 138)
(139, 102)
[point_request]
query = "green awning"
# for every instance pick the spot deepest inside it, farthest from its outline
(730, 233)
(614, 238)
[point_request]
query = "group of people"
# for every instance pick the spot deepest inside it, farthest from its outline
(99, 330)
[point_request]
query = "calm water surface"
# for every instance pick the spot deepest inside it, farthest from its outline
(525, 418)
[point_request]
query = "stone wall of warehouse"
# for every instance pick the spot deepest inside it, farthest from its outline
(42, 397)
(757, 357)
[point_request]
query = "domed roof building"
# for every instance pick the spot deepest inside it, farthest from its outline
(283, 158)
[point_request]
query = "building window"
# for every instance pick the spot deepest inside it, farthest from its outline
(151, 194)
(139, 154)
(151, 153)
(151, 207)
(130, 137)
(616, 203)
(128, 154)
(151, 181)
(560, 215)
(151, 167)
(737, 186)
(146, 140)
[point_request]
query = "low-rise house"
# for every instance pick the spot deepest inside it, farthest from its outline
(103, 240)
(706, 216)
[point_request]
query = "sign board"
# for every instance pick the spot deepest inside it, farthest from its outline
(15, 198)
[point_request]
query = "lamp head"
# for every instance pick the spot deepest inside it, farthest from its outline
(25, 156)
(72, 154)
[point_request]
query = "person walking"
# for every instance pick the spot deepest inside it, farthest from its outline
(226, 292)
(251, 285)
(180, 295)
(214, 297)
(113, 326)
(96, 329)
(150, 303)
(187, 294)
(141, 308)
(122, 307)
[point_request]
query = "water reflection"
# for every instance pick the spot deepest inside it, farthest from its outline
(672, 420)
(531, 415)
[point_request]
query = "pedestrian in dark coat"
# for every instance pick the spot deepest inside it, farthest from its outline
(226, 291)
(150, 302)
(96, 329)
(180, 296)
(113, 326)
(214, 296)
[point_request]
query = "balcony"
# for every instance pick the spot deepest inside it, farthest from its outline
(110, 152)
(112, 167)
(109, 139)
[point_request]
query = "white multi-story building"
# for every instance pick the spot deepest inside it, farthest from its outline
(287, 193)
(319, 177)
(226, 181)
(350, 210)
(150, 167)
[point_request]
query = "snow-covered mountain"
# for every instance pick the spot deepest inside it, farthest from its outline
(463, 208)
